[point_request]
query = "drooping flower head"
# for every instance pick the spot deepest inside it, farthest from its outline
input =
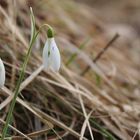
(51, 54)
(2, 74)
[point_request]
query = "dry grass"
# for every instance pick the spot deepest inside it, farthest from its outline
(68, 105)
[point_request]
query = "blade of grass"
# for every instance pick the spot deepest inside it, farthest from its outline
(86, 116)
(85, 125)
(74, 55)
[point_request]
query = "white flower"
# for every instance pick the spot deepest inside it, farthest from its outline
(51, 55)
(2, 74)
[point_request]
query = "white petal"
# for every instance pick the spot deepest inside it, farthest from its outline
(54, 56)
(2, 74)
(46, 57)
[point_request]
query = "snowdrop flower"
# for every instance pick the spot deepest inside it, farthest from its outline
(51, 54)
(2, 74)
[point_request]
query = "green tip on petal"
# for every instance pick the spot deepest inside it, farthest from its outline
(50, 33)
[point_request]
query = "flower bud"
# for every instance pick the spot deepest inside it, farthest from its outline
(51, 55)
(2, 74)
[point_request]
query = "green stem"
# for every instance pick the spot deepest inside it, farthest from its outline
(34, 34)
(17, 89)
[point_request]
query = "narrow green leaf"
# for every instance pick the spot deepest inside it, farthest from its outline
(98, 79)
(74, 55)
(32, 24)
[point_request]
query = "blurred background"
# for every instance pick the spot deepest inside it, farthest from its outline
(97, 90)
